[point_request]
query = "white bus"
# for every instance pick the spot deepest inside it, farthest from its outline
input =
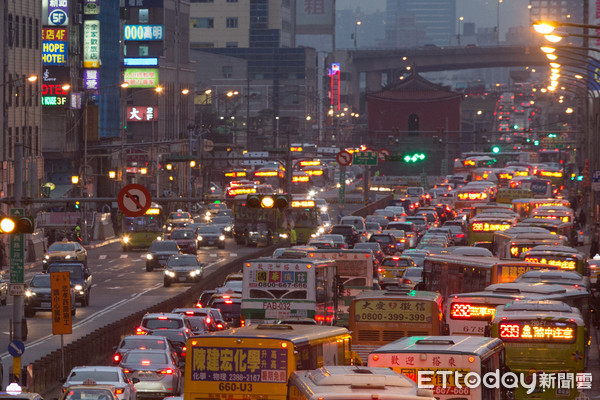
(443, 361)
(353, 383)
(280, 288)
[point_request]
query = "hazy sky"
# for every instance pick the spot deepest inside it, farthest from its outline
(482, 12)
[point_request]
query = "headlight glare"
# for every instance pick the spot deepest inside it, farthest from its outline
(222, 237)
(78, 287)
(148, 256)
(125, 239)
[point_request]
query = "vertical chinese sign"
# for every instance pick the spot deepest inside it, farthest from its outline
(60, 289)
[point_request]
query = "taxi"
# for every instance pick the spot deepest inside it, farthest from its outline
(391, 270)
(64, 252)
(177, 219)
(89, 390)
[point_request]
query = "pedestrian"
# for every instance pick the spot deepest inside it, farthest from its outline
(581, 219)
(292, 236)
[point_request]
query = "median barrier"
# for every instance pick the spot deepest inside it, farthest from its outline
(371, 207)
(97, 347)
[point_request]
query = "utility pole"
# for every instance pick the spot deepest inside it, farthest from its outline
(16, 265)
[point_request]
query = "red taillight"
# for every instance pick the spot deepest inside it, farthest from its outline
(119, 391)
(208, 320)
(407, 281)
(140, 331)
(126, 371)
(242, 321)
(220, 326)
(379, 270)
(460, 235)
(198, 305)
(167, 371)
(117, 358)
(228, 301)
(162, 317)
(189, 313)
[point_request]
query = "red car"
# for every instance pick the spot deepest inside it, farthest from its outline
(186, 240)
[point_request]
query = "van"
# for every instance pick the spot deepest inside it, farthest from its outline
(357, 222)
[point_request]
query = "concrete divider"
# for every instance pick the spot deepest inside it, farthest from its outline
(96, 348)
(103, 228)
(376, 205)
(34, 245)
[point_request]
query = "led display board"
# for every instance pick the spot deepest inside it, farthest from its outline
(141, 77)
(91, 44)
(54, 53)
(143, 32)
(546, 331)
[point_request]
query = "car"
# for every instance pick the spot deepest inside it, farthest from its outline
(157, 370)
(230, 305)
(390, 215)
(418, 256)
(103, 375)
(325, 220)
(387, 242)
(375, 248)
(412, 277)
(457, 222)
(225, 223)
(81, 280)
(401, 241)
(159, 253)
(469, 251)
(178, 338)
(64, 252)
(90, 390)
(322, 204)
(183, 268)
(410, 232)
(38, 295)
(210, 236)
(150, 342)
(224, 213)
(154, 321)
(186, 240)
(234, 276)
(338, 240)
(212, 316)
(399, 210)
(391, 270)
(349, 232)
(433, 220)
(177, 219)
(321, 243)
(214, 208)
(357, 222)
(199, 326)
(381, 220)
(443, 232)
(204, 298)
(458, 236)
(420, 223)
(3, 289)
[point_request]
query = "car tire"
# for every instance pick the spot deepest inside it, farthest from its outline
(222, 246)
(73, 311)
(166, 282)
(29, 313)
(86, 299)
(149, 268)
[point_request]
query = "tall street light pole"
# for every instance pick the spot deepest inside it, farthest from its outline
(460, 19)
(498, 23)
(358, 23)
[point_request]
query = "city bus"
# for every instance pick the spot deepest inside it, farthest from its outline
(256, 361)
(509, 244)
(140, 232)
(466, 197)
(354, 274)
(483, 226)
(562, 257)
(456, 356)
(552, 225)
(378, 317)
(303, 214)
(254, 226)
(507, 195)
(448, 274)
(561, 213)
(540, 188)
(524, 207)
(472, 313)
(351, 383)
(543, 336)
(281, 288)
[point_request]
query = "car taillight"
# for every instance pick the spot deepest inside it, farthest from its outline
(208, 320)
(407, 281)
(242, 321)
(127, 371)
(140, 331)
(117, 358)
(460, 235)
(167, 371)
(119, 391)
(220, 326)
(379, 270)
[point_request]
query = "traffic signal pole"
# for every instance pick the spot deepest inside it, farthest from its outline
(18, 300)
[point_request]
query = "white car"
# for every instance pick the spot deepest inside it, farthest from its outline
(103, 375)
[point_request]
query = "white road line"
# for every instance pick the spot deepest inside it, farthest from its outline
(232, 254)
(123, 256)
(213, 255)
(102, 257)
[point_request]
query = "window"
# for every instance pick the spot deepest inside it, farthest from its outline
(10, 31)
(232, 1)
(24, 31)
(9, 145)
(143, 51)
(37, 33)
(232, 22)
(30, 33)
(201, 1)
(16, 31)
(143, 16)
(202, 22)
(231, 44)
(227, 71)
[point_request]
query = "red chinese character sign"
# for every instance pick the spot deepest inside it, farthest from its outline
(142, 114)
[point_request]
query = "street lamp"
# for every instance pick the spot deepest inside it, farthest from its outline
(358, 23)
(498, 23)
(460, 19)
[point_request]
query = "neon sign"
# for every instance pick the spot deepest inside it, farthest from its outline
(310, 163)
(487, 227)
(556, 262)
(515, 251)
(472, 312)
(551, 174)
(300, 179)
(302, 203)
(472, 196)
(538, 331)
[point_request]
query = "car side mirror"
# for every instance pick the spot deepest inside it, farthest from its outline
(62, 380)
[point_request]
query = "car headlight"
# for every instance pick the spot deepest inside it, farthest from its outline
(170, 273)
(29, 293)
(324, 209)
(207, 217)
(125, 239)
(283, 235)
(196, 272)
(227, 229)
(67, 256)
(78, 287)
(169, 227)
(199, 238)
(222, 237)
(149, 256)
(47, 257)
(321, 230)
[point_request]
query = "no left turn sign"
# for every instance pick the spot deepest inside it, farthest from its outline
(134, 200)
(343, 158)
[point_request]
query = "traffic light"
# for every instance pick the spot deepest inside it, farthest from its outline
(76, 205)
(416, 157)
(16, 225)
(496, 149)
(267, 201)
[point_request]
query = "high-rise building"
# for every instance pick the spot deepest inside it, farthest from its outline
(21, 116)
(436, 19)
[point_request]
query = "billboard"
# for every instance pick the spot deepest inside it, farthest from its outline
(55, 12)
(141, 77)
(142, 113)
(143, 32)
(315, 12)
(90, 79)
(53, 79)
(54, 53)
(140, 62)
(91, 7)
(54, 34)
(91, 44)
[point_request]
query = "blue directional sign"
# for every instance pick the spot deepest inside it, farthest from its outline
(16, 348)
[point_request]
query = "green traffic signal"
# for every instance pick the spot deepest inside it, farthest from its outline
(416, 157)
(496, 149)
(536, 142)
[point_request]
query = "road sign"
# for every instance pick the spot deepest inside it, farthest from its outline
(368, 157)
(16, 348)
(60, 285)
(596, 181)
(134, 200)
(343, 158)
(16, 289)
(384, 154)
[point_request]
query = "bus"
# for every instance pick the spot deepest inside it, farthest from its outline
(561, 213)
(140, 232)
(483, 226)
(540, 188)
(351, 383)
(552, 225)
(456, 356)
(507, 195)
(281, 288)
(555, 175)
(466, 197)
(542, 336)
(509, 244)
(562, 257)
(524, 207)
(303, 214)
(448, 274)
(256, 361)
(378, 317)
(254, 226)
(354, 273)
(472, 313)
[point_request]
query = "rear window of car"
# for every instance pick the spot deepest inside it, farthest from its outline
(228, 309)
(182, 234)
(153, 358)
(62, 247)
(164, 246)
(342, 230)
(381, 238)
(98, 376)
(413, 272)
(76, 272)
(402, 227)
(153, 344)
(155, 323)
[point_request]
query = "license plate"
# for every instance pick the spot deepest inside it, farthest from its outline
(211, 242)
(45, 304)
(182, 278)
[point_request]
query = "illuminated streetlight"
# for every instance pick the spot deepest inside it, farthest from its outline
(32, 78)
(124, 85)
(112, 174)
(569, 110)
(551, 57)
(185, 91)
(192, 163)
(547, 49)
(75, 179)
(169, 167)
(208, 91)
(158, 89)
(544, 28)
(578, 76)
(143, 171)
(66, 87)
(553, 38)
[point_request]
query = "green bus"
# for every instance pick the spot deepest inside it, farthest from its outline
(140, 232)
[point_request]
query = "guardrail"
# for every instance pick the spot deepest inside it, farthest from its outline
(96, 348)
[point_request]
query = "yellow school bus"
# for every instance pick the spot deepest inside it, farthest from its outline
(255, 362)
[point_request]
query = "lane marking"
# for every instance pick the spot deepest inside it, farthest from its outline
(123, 256)
(102, 257)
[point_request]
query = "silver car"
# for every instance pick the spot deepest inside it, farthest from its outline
(157, 371)
(103, 375)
